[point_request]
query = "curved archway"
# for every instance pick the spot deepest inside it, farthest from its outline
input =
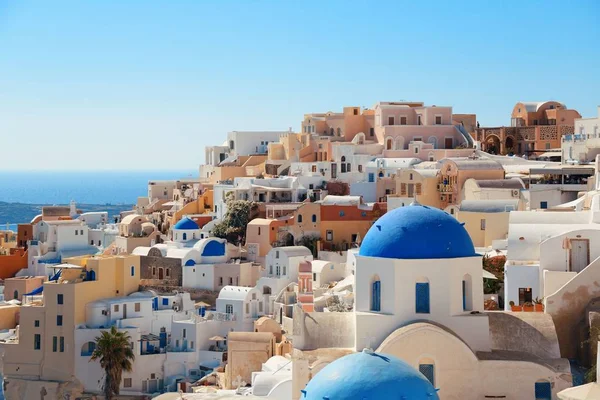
(432, 140)
(509, 144)
(88, 349)
(492, 144)
(399, 143)
(389, 143)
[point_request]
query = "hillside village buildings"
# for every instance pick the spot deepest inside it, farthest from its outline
(367, 247)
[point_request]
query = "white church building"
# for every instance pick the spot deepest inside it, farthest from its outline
(419, 296)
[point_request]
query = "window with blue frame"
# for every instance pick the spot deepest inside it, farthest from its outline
(59, 320)
(429, 371)
(132, 270)
(371, 177)
(376, 296)
(314, 218)
(59, 299)
(543, 205)
(165, 302)
(543, 391)
(184, 236)
(464, 295)
(422, 298)
(342, 213)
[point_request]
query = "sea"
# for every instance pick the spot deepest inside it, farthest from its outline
(84, 187)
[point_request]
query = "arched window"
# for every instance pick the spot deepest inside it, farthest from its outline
(314, 218)
(467, 293)
(433, 141)
(88, 349)
(184, 236)
(388, 144)
(376, 294)
(16, 294)
(92, 275)
(427, 368)
(300, 218)
(543, 390)
(132, 270)
(343, 159)
(331, 131)
(339, 131)
(422, 296)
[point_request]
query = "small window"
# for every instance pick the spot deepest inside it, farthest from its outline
(184, 333)
(428, 371)
(391, 120)
(132, 270)
(191, 346)
(168, 272)
(259, 231)
(314, 276)
(221, 281)
(137, 307)
(360, 168)
(229, 309)
(438, 119)
(54, 344)
(37, 341)
(371, 131)
(271, 269)
(403, 121)
(59, 299)
(329, 236)
(165, 302)
(260, 306)
(116, 308)
(410, 177)
(277, 254)
(363, 214)
(418, 119)
(230, 280)
(284, 268)
(356, 111)
(76, 232)
(62, 344)
(299, 218)
(482, 223)
(247, 308)
(543, 205)
(92, 242)
(59, 320)
(314, 218)
(127, 382)
(36, 323)
(342, 213)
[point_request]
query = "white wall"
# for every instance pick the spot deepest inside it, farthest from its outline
(554, 280)
(368, 190)
(398, 284)
(521, 276)
(246, 143)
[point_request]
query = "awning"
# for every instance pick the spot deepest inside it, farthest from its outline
(488, 275)
(149, 338)
(201, 304)
(56, 275)
(217, 338)
(35, 291)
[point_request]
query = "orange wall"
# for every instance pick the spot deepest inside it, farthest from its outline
(13, 263)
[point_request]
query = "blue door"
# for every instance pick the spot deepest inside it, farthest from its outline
(428, 371)
(422, 298)
(543, 391)
(464, 293)
(155, 303)
(376, 300)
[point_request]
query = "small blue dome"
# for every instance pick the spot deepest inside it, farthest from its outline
(186, 223)
(369, 376)
(417, 232)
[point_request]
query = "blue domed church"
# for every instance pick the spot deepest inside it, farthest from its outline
(419, 297)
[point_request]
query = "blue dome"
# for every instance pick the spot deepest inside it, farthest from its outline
(417, 232)
(369, 376)
(186, 224)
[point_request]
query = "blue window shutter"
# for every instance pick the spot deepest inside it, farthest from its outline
(371, 177)
(428, 371)
(543, 391)
(422, 298)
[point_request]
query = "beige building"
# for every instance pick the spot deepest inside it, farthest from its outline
(344, 125)
(135, 231)
(455, 172)
(493, 189)
(44, 349)
(15, 288)
(420, 185)
(246, 352)
(485, 220)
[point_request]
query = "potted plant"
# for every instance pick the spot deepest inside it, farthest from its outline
(528, 306)
(514, 308)
(539, 304)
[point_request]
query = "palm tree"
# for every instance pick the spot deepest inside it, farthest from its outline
(114, 352)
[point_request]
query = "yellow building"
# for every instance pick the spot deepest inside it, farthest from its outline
(44, 348)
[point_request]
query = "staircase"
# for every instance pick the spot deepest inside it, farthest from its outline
(465, 135)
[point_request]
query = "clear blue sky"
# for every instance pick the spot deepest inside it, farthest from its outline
(112, 84)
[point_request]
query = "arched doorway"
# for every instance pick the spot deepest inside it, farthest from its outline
(509, 145)
(492, 144)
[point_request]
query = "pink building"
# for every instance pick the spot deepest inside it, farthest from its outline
(399, 123)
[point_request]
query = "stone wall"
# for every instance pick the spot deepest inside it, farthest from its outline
(150, 269)
(207, 296)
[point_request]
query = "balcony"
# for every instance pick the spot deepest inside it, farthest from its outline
(445, 188)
